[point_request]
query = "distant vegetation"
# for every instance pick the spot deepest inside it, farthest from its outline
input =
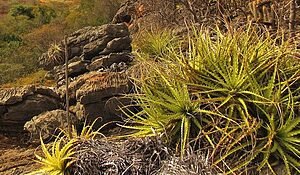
(27, 28)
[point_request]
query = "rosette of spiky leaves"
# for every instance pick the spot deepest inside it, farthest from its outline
(280, 141)
(57, 158)
(55, 53)
(227, 70)
(86, 133)
(280, 135)
(236, 73)
(277, 140)
(167, 109)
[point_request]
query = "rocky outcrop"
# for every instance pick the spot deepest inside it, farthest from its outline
(18, 105)
(98, 61)
(88, 43)
(97, 72)
(98, 94)
(46, 124)
(104, 49)
(126, 12)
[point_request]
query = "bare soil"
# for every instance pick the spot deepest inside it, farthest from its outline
(16, 157)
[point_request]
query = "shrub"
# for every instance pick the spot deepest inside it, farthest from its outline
(10, 71)
(22, 10)
(87, 13)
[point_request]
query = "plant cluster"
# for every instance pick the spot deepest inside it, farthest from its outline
(235, 93)
(59, 155)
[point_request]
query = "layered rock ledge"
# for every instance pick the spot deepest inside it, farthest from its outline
(19, 105)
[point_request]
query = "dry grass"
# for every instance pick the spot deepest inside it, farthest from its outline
(135, 156)
(36, 78)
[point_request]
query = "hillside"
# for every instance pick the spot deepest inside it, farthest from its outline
(28, 28)
(150, 87)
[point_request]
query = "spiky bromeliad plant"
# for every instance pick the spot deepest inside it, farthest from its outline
(168, 110)
(86, 133)
(59, 155)
(56, 159)
(243, 75)
(155, 44)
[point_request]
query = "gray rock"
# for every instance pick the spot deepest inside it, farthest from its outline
(95, 111)
(108, 60)
(79, 111)
(127, 9)
(95, 93)
(47, 91)
(102, 85)
(19, 105)
(114, 105)
(94, 48)
(31, 106)
(77, 68)
(95, 86)
(102, 111)
(74, 59)
(10, 96)
(47, 124)
(118, 45)
(57, 72)
(3, 110)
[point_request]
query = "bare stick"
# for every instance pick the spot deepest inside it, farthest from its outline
(69, 122)
(292, 18)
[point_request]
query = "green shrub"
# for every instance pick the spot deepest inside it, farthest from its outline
(10, 71)
(22, 10)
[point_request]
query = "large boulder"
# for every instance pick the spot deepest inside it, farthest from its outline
(48, 124)
(19, 105)
(101, 86)
(97, 94)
